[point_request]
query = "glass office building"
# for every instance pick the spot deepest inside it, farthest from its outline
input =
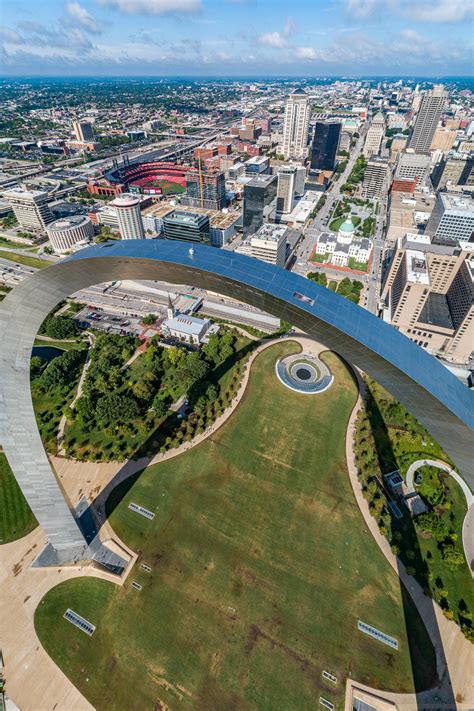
(325, 144)
(187, 227)
(259, 201)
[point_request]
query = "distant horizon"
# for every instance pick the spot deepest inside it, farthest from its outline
(253, 77)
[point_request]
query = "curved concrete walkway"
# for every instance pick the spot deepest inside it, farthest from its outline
(454, 654)
(468, 523)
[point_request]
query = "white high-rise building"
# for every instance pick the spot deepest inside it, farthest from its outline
(374, 137)
(431, 108)
(129, 216)
(30, 207)
(69, 231)
(452, 219)
(295, 128)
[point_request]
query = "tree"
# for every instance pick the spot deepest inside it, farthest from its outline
(36, 366)
(60, 327)
(149, 319)
(61, 370)
(161, 405)
(116, 408)
(452, 556)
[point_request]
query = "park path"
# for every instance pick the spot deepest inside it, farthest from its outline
(63, 421)
(454, 654)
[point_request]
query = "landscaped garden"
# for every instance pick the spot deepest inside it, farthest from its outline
(259, 566)
(124, 410)
(430, 545)
(346, 287)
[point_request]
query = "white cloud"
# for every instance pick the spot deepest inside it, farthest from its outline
(272, 39)
(153, 7)
(443, 10)
(422, 10)
(81, 16)
(278, 39)
(307, 53)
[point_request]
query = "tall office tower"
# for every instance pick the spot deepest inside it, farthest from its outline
(376, 173)
(286, 188)
(295, 127)
(325, 145)
(454, 169)
(374, 137)
(413, 165)
(187, 226)
(83, 131)
(129, 216)
(429, 295)
(205, 189)
(452, 219)
(30, 207)
(259, 201)
(431, 108)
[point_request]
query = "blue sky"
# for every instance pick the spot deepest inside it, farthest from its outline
(236, 37)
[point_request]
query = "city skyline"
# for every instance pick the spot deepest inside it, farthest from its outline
(236, 38)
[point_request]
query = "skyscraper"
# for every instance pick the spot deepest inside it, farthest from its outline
(375, 134)
(187, 226)
(325, 145)
(259, 201)
(431, 108)
(286, 188)
(129, 216)
(295, 128)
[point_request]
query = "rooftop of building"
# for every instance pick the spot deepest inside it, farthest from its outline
(126, 200)
(261, 181)
(436, 312)
(217, 219)
(417, 269)
(65, 223)
(186, 217)
(186, 324)
(347, 226)
(19, 192)
(270, 233)
(459, 203)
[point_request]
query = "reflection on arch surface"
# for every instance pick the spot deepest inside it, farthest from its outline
(425, 387)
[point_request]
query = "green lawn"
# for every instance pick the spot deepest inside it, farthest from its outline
(335, 224)
(14, 245)
(360, 266)
(260, 567)
(16, 517)
(319, 257)
(25, 260)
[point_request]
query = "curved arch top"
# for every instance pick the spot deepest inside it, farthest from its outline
(423, 385)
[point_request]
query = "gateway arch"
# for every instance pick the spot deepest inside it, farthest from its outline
(424, 386)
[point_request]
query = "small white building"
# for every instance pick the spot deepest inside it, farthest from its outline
(186, 328)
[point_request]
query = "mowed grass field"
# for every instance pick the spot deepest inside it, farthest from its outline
(260, 568)
(16, 517)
